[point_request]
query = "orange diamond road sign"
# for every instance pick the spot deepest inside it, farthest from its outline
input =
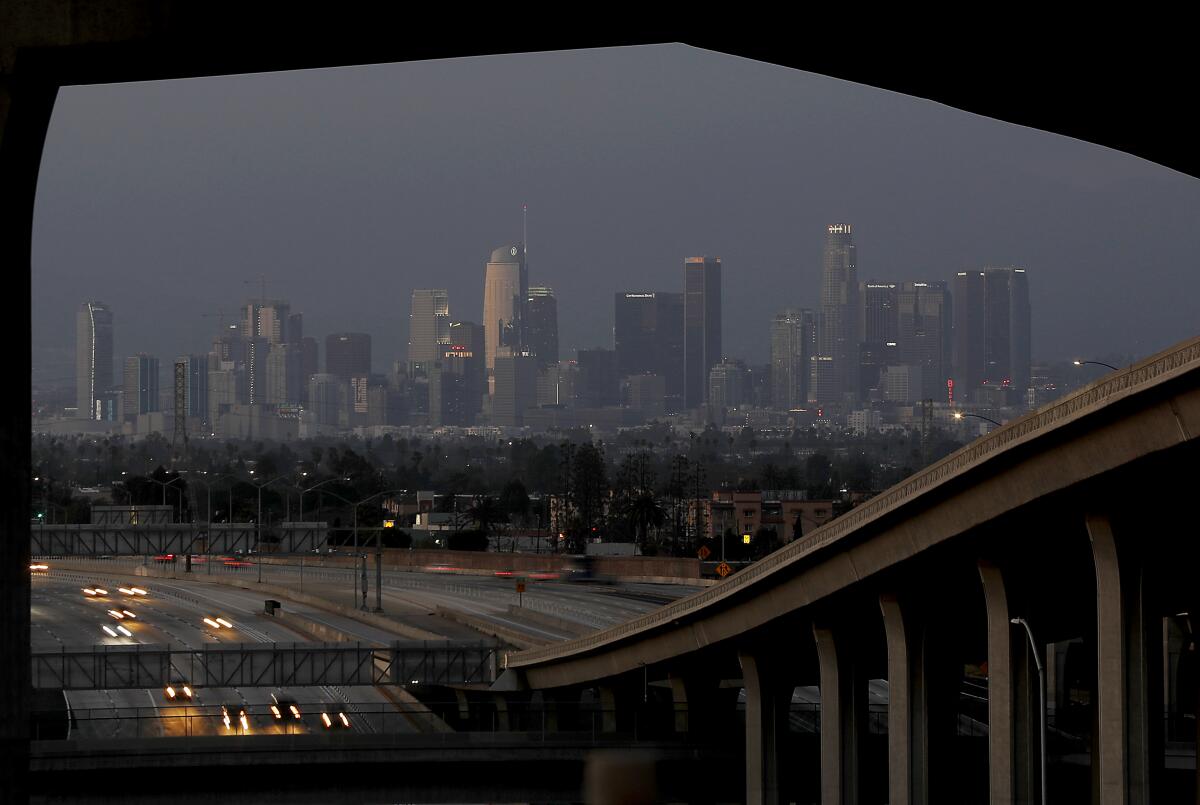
(520, 586)
(724, 569)
(704, 552)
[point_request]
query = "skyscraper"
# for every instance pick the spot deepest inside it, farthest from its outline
(141, 385)
(457, 381)
(196, 385)
(505, 291)
(702, 325)
(969, 319)
(428, 328)
(267, 319)
(516, 389)
(348, 355)
(924, 338)
(1007, 327)
(793, 337)
(992, 323)
(648, 338)
(541, 329)
(835, 373)
(93, 356)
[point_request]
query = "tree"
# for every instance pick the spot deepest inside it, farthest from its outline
(514, 500)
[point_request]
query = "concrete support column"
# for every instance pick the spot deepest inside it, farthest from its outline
(843, 711)
(680, 703)
(608, 708)
(900, 654)
(1121, 745)
(503, 724)
(1001, 746)
(767, 702)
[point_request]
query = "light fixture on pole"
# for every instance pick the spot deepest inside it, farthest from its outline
(1094, 363)
(258, 525)
(961, 414)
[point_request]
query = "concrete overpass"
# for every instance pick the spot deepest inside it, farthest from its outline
(1068, 517)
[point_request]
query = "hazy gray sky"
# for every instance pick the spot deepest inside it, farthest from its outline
(350, 187)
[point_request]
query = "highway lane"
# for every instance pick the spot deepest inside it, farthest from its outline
(63, 616)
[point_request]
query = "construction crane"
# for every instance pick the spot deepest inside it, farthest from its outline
(220, 316)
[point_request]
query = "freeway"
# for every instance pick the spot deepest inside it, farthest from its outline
(63, 615)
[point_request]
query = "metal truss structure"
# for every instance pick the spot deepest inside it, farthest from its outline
(116, 539)
(265, 665)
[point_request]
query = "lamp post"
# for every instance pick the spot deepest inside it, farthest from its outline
(305, 490)
(960, 415)
(164, 485)
(1094, 363)
(258, 525)
(378, 552)
(1037, 659)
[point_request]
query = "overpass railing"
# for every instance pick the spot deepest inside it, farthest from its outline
(264, 665)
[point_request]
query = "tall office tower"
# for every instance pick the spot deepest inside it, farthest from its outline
(230, 345)
(328, 399)
(309, 364)
(598, 383)
(648, 338)
(925, 316)
(505, 289)
(428, 328)
(224, 390)
(969, 318)
(992, 322)
(348, 355)
(835, 377)
(195, 391)
(257, 351)
(726, 382)
(541, 326)
(141, 385)
(465, 355)
(93, 357)
(793, 337)
(1007, 338)
(878, 318)
(515, 389)
(295, 328)
(702, 325)
(285, 375)
(266, 319)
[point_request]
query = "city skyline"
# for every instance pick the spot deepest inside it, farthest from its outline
(967, 193)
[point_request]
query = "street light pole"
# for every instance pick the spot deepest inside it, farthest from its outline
(1037, 659)
(961, 414)
(1095, 363)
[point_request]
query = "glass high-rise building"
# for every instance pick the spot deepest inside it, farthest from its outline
(702, 326)
(648, 339)
(924, 337)
(141, 385)
(348, 355)
(992, 330)
(793, 338)
(267, 319)
(835, 373)
(93, 357)
(541, 327)
(505, 291)
(428, 327)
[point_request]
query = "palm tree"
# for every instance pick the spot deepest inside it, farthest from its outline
(645, 512)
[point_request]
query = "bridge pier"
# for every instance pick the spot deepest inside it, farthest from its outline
(768, 701)
(904, 753)
(1127, 718)
(843, 716)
